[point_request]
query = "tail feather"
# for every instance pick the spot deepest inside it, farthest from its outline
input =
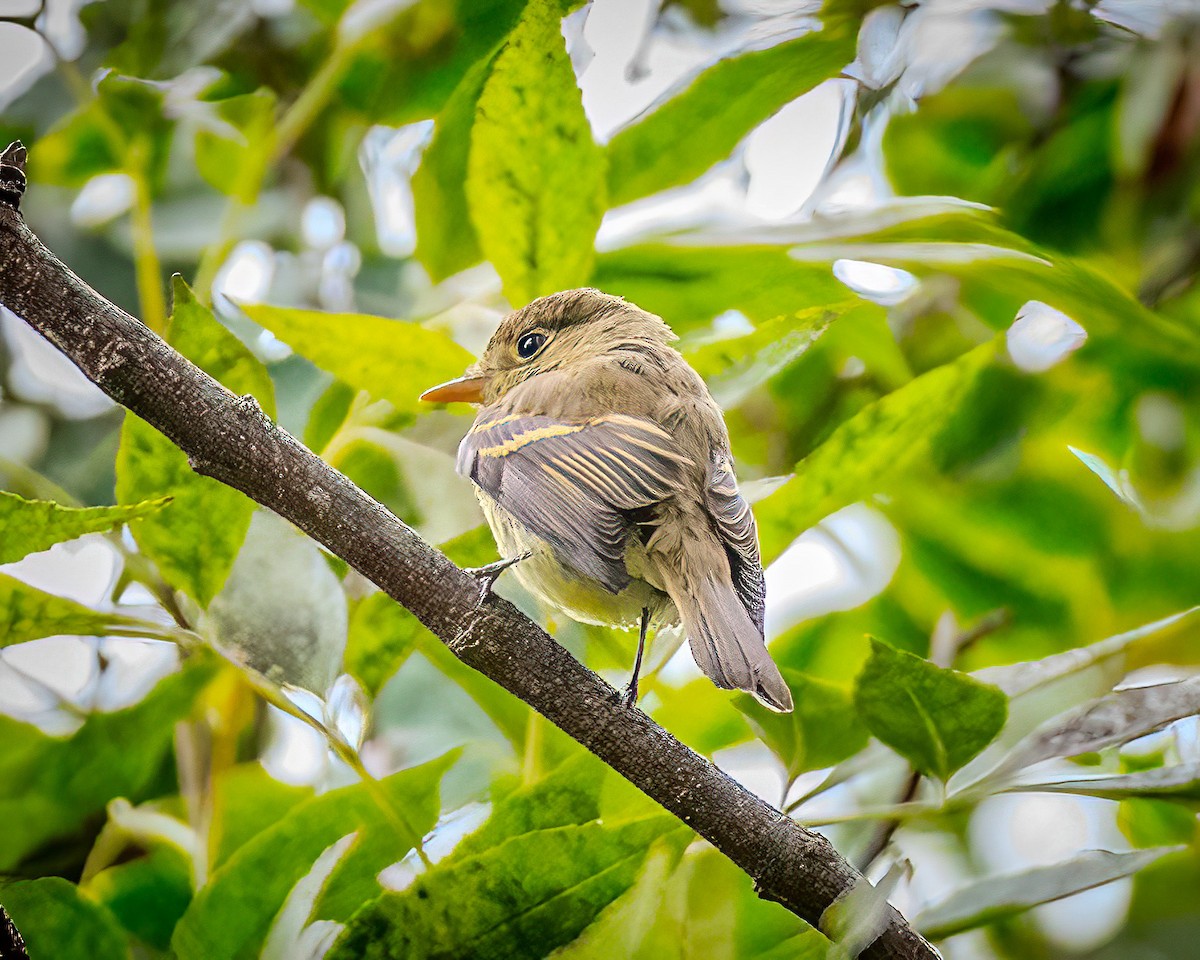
(726, 643)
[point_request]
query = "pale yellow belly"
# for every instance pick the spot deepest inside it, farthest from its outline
(580, 597)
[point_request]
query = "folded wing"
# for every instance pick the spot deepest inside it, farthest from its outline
(575, 485)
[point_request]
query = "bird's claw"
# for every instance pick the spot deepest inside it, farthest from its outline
(488, 574)
(629, 696)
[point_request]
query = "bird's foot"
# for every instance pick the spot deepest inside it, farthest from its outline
(488, 574)
(630, 694)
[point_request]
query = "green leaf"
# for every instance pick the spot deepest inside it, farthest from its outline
(626, 922)
(230, 148)
(700, 126)
(382, 635)
(897, 433)
(147, 894)
(30, 526)
(446, 240)
(992, 898)
(27, 613)
(394, 360)
(231, 916)
(520, 899)
(407, 68)
(50, 786)
(938, 719)
(535, 177)
(248, 800)
(688, 286)
(327, 415)
(823, 730)
(569, 795)
(193, 553)
(57, 920)
(124, 121)
(736, 366)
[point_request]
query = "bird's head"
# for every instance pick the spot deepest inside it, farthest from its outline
(552, 333)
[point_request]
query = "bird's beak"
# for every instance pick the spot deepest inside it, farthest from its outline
(465, 389)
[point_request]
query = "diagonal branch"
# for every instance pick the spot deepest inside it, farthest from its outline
(229, 438)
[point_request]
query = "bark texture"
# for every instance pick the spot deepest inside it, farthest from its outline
(229, 438)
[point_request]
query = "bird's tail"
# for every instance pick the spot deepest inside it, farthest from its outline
(725, 642)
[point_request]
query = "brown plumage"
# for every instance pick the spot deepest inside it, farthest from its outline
(600, 452)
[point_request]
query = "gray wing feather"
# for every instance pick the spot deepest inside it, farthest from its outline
(739, 535)
(572, 484)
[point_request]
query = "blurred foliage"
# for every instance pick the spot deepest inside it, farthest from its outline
(355, 192)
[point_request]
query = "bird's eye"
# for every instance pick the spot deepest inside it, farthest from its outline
(529, 344)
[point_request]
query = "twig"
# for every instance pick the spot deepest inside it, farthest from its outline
(230, 438)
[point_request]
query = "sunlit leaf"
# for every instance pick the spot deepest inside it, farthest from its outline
(57, 920)
(822, 731)
(394, 360)
(231, 916)
(194, 553)
(937, 718)
(27, 613)
(49, 786)
(990, 899)
(898, 433)
(693, 129)
(535, 177)
(29, 526)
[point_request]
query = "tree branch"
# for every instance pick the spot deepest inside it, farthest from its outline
(229, 438)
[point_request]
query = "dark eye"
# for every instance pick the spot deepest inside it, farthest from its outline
(529, 344)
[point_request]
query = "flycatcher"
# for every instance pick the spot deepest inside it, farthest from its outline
(602, 463)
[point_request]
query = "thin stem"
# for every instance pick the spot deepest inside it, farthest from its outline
(146, 264)
(531, 755)
(291, 127)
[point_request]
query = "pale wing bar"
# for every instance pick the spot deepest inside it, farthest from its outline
(572, 484)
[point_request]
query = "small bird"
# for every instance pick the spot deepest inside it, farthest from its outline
(602, 465)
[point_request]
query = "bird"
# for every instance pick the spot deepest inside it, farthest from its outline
(603, 467)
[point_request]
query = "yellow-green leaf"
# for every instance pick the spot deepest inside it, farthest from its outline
(30, 526)
(394, 360)
(535, 177)
(27, 613)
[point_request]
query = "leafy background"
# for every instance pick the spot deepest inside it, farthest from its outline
(936, 260)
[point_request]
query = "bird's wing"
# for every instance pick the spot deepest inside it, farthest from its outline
(573, 484)
(739, 535)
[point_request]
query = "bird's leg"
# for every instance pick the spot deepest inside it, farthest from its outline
(488, 574)
(631, 691)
